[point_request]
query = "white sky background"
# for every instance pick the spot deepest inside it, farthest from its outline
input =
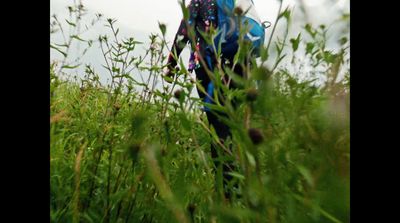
(143, 15)
(139, 18)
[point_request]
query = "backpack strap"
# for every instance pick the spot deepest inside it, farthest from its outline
(266, 26)
(210, 87)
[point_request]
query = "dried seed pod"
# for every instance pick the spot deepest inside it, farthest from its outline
(251, 94)
(256, 136)
(178, 93)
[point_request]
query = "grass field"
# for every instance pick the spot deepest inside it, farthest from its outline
(122, 155)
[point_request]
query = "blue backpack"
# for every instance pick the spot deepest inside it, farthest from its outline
(227, 37)
(228, 26)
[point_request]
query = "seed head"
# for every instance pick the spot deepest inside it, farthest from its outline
(256, 136)
(251, 94)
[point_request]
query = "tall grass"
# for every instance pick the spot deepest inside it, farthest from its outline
(129, 152)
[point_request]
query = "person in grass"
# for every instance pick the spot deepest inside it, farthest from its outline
(203, 17)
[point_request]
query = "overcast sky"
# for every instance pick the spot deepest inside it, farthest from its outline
(139, 18)
(143, 15)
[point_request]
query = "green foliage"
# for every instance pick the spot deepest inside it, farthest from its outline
(119, 154)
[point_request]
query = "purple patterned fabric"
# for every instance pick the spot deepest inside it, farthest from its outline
(203, 15)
